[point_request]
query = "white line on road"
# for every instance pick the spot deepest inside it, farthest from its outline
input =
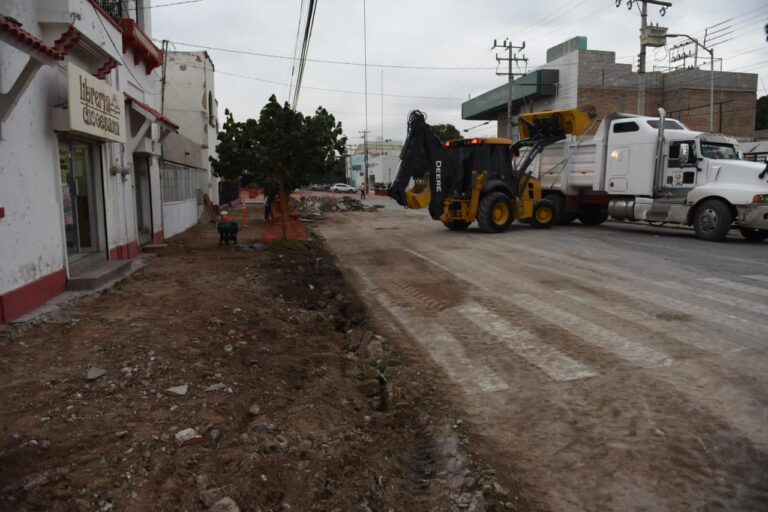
(444, 348)
(594, 334)
(591, 333)
(525, 344)
(736, 286)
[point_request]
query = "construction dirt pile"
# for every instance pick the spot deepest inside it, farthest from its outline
(313, 207)
(225, 380)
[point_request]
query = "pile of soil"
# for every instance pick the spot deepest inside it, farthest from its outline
(228, 378)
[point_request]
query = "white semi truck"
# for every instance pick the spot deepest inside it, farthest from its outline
(657, 170)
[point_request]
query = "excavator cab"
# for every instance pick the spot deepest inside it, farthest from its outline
(467, 180)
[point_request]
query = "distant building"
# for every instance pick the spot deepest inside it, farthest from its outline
(383, 160)
(577, 77)
(189, 97)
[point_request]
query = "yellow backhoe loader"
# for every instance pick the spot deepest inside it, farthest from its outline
(467, 180)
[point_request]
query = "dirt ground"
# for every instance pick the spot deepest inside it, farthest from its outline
(295, 399)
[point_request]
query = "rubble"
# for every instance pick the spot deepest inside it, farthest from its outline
(225, 505)
(313, 207)
(188, 436)
(177, 390)
(95, 373)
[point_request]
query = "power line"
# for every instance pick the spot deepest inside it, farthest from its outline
(275, 82)
(170, 4)
(305, 49)
(295, 49)
(325, 61)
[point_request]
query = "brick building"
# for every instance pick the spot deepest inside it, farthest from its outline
(577, 77)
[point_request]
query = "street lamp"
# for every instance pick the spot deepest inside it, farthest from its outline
(711, 52)
(477, 126)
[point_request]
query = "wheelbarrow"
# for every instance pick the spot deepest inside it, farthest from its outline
(227, 231)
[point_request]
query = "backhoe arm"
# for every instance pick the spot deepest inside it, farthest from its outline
(423, 155)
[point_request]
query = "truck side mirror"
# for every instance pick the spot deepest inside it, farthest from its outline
(740, 154)
(685, 153)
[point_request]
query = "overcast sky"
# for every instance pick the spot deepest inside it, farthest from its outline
(447, 33)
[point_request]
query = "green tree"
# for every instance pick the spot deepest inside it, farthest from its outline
(446, 131)
(280, 151)
(761, 116)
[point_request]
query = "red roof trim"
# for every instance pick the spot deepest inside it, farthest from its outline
(33, 42)
(105, 14)
(158, 115)
(144, 50)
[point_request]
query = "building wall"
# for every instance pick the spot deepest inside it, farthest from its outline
(190, 100)
(591, 78)
(33, 256)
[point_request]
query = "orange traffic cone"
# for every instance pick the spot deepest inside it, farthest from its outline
(245, 216)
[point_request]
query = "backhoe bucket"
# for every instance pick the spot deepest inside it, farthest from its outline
(553, 123)
(419, 196)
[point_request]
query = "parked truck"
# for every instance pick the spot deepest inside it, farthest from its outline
(655, 169)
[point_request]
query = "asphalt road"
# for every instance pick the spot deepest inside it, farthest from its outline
(618, 367)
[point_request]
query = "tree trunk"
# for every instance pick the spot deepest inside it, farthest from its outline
(283, 209)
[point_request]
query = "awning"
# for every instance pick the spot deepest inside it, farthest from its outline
(150, 113)
(12, 33)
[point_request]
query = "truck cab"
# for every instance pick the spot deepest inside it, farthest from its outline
(658, 170)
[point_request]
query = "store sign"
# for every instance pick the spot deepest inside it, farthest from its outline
(653, 36)
(95, 108)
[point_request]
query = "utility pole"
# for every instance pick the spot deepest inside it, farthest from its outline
(711, 52)
(511, 57)
(643, 36)
(365, 155)
(365, 68)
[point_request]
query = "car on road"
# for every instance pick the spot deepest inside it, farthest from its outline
(342, 187)
(318, 186)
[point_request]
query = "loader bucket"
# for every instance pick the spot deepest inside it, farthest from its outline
(552, 123)
(419, 196)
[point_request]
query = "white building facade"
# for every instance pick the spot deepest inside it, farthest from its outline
(383, 161)
(80, 139)
(188, 96)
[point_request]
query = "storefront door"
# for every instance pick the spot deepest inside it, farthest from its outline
(143, 198)
(77, 187)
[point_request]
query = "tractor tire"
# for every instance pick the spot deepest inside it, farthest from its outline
(558, 205)
(496, 212)
(543, 214)
(712, 220)
(593, 215)
(754, 235)
(456, 225)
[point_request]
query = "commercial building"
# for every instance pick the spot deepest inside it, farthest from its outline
(188, 96)
(383, 160)
(80, 142)
(575, 76)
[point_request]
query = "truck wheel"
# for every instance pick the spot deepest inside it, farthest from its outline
(496, 212)
(592, 215)
(558, 205)
(456, 225)
(754, 235)
(712, 220)
(543, 214)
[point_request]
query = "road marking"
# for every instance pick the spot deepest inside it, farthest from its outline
(444, 348)
(522, 342)
(758, 277)
(736, 286)
(681, 331)
(594, 334)
(591, 333)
